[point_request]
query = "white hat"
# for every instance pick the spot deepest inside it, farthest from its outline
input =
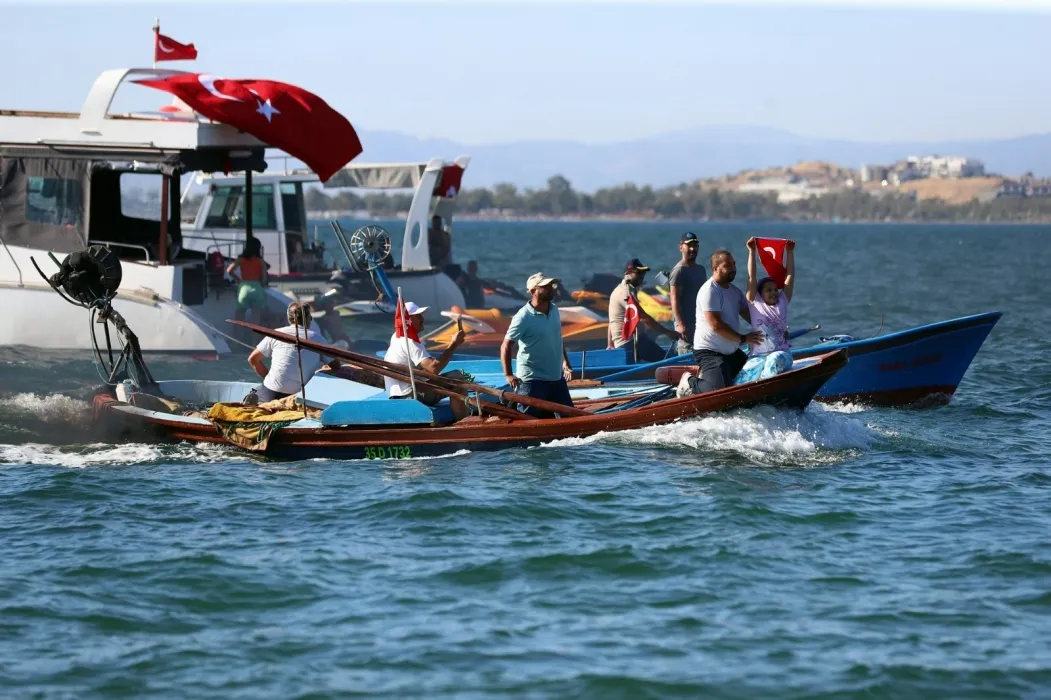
(538, 280)
(412, 310)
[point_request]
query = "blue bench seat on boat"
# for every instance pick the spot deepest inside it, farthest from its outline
(379, 410)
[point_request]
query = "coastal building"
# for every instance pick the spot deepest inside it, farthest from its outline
(788, 189)
(923, 167)
(947, 166)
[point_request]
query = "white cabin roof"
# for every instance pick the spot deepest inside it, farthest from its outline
(94, 126)
(367, 176)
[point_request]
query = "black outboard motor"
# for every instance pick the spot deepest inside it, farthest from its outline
(90, 278)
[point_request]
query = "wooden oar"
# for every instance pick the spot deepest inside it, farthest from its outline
(434, 381)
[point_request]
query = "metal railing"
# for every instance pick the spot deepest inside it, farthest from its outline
(135, 246)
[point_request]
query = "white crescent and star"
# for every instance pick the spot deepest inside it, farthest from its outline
(162, 47)
(264, 107)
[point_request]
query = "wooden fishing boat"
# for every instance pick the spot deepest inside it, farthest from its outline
(356, 421)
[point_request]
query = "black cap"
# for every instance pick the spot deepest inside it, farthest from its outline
(635, 264)
(688, 237)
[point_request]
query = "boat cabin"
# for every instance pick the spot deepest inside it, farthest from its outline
(279, 216)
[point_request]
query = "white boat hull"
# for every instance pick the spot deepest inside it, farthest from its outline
(36, 316)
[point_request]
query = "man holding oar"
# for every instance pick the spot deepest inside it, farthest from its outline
(402, 352)
(543, 368)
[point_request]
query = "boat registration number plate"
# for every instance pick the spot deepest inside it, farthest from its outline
(388, 452)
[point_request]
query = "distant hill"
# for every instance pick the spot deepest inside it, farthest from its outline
(686, 156)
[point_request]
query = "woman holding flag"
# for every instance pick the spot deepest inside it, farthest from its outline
(769, 297)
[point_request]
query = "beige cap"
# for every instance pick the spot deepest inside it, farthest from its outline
(539, 280)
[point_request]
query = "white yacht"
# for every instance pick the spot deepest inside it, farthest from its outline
(61, 182)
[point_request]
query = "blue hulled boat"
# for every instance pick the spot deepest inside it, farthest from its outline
(921, 365)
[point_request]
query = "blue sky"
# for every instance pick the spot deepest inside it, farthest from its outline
(499, 71)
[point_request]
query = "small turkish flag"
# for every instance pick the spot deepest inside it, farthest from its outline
(772, 255)
(281, 115)
(167, 49)
(631, 318)
(449, 183)
(402, 325)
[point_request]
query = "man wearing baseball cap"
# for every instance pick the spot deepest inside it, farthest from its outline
(647, 349)
(417, 354)
(685, 280)
(542, 369)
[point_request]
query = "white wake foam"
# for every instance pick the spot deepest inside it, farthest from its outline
(53, 409)
(765, 434)
(99, 454)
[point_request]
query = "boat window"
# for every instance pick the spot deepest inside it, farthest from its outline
(227, 209)
(291, 196)
(140, 196)
(53, 200)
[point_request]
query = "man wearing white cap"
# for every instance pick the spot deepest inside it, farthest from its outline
(416, 353)
(542, 369)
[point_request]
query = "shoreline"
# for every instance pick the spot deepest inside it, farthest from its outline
(641, 219)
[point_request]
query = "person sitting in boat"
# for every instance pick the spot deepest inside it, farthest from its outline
(282, 379)
(719, 304)
(408, 348)
(645, 348)
(471, 286)
(768, 304)
(543, 370)
(251, 295)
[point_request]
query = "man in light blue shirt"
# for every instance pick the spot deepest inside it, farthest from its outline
(543, 369)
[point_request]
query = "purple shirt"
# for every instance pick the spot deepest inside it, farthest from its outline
(772, 321)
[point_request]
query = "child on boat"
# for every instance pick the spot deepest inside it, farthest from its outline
(251, 284)
(769, 309)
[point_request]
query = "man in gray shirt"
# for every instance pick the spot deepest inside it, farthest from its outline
(686, 279)
(719, 303)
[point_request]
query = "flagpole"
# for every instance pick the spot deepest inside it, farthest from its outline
(156, 31)
(408, 351)
(299, 356)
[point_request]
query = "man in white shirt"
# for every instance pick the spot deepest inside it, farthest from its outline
(282, 378)
(715, 340)
(404, 350)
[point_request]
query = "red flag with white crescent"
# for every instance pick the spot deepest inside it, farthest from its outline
(449, 182)
(284, 116)
(167, 49)
(402, 325)
(631, 318)
(772, 255)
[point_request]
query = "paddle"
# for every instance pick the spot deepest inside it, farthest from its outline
(792, 335)
(435, 381)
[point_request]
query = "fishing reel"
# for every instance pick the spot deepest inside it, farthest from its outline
(89, 277)
(369, 246)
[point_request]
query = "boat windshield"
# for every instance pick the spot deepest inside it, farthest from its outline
(227, 209)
